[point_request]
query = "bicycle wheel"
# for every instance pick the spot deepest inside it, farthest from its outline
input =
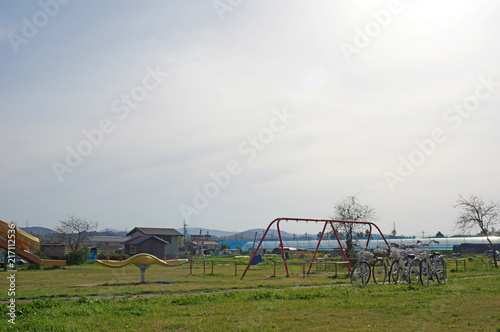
(360, 274)
(441, 270)
(379, 271)
(425, 272)
(394, 272)
(414, 271)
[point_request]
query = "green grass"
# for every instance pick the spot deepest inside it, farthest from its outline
(93, 280)
(469, 301)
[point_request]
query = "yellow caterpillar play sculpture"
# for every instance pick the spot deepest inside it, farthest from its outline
(142, 261)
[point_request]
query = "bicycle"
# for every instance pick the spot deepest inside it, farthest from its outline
(405, 265)
(360, 273)
(380, 266)
(432, 265)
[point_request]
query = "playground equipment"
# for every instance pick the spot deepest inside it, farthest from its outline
(24, 243)
(142, 261)
(326, 222)
(205, 262)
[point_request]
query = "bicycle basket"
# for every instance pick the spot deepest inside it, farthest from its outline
(365, 255)
(380, 253)
(426, 253)
(397, 253)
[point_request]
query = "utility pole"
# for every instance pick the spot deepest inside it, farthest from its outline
(202, 250)
(393, 232)
(185, 229)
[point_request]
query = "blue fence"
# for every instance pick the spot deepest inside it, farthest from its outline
(445, 243)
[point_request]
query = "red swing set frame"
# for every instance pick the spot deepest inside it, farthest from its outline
(326, 221)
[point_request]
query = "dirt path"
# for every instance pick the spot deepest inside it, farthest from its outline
(148, 295)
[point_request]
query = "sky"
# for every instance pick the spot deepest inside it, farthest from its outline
(227, 114)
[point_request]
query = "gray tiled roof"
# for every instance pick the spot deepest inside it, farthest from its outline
(137, 240)
(155, 231)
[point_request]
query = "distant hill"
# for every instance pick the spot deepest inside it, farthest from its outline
(112, 232)
(245, 235)
(196, 231)
(38, 230)
(48, 232)
(250, 234)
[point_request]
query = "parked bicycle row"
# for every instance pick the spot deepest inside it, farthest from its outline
(413, 264)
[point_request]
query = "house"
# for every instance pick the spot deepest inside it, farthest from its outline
(160, 242)
(209, 247)
(53, 250)
(201, 237)
(207, 242)
(106, 240)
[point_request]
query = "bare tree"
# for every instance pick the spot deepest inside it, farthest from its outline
(478, 213)
(73, 231)
(350, 209)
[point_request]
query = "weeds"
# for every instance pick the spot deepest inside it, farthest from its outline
(222, 301)
(448, 306)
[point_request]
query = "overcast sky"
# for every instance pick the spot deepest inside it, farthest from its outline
(229, 114)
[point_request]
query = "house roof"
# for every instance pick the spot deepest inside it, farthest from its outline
(140, 239)
(205, 242)
(155, 231)
(114, 239)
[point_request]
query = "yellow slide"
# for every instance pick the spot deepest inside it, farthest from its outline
(24, 243)
(143, 259)
(23, 239)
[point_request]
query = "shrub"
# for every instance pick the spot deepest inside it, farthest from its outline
(118, 256)
(185, 254)
(303, 255)
(114, 257)
(77, 257)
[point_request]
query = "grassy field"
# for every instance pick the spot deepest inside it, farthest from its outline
(92, 298)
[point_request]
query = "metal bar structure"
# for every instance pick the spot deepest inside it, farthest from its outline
(338, 241)
(317, 247)
(281, 245)
(214, 261)
(369, 235)
(456, 260)
(304, 264)
(326, 221)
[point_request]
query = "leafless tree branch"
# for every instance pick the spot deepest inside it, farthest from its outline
(476, 212)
